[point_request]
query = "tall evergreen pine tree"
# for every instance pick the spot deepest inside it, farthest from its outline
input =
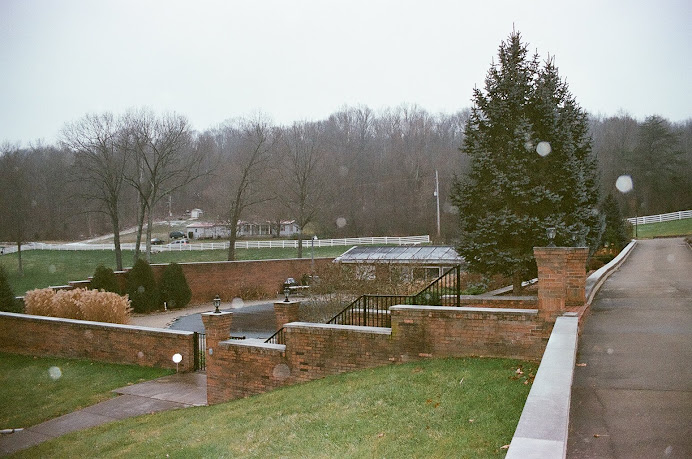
(512, 193)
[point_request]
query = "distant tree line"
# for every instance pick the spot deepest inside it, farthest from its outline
(357, 173)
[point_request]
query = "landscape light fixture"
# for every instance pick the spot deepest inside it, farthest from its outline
(550, 232)
(286, 292)
(217, 303)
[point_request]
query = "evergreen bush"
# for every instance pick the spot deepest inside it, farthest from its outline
(8, 302)
(105, 279)
(141, 288)
(174, 289)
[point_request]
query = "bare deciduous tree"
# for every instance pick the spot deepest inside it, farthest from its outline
(249, 144)
(303, 182)
(164, 161)
(100, 166)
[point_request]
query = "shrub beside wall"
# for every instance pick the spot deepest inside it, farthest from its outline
(142, 288)
(7, 300)
(174, 289)
(104, 279)
(79, 304)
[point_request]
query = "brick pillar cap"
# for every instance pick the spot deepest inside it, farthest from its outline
(217, 314)
(286, 302)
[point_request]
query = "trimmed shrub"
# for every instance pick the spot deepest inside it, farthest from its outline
(104, 279)
(8, 302)
(174, 289)
(142, 289)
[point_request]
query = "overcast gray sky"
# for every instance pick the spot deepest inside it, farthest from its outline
(302, 60)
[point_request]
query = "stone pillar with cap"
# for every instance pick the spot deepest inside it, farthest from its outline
(217, 327)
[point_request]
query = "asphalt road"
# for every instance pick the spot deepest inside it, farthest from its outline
(250, 321)
(632, 390)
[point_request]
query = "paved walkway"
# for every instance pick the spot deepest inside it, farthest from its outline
(632, 390)
(170, 392)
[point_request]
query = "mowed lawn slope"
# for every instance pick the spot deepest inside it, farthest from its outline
(432, 408)
(36, 389)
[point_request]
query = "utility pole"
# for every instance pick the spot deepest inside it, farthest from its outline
(437, 197)
(170, 212)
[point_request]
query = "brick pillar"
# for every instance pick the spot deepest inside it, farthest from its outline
(286, 312)
(561, 279)
(217, 327)
(575, 282)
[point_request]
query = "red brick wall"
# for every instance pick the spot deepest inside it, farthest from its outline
(561, 279)
(50, 336)
(439, 331)
(231, 279)
(507, 302)
(240, 368)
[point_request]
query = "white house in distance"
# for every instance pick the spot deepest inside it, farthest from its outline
(196, 214)
(201, 230)
(207, 231)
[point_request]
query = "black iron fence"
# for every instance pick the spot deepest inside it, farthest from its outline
(200, 340)
(277, 338)
(373, 310)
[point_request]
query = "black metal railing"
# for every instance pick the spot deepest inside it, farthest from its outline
(277, 338)
(444, 290)
(373, 310)
(200, 345)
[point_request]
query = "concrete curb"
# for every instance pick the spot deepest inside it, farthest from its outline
(543, 428)
(544, 423)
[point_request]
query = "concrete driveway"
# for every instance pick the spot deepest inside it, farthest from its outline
(632, 390)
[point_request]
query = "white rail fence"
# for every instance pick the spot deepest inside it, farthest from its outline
(275, 243)
(680, 215)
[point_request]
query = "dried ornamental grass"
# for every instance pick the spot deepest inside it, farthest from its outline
(66, 304)
(39, 302)
(80, 304)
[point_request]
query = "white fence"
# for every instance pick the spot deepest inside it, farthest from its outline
(273, 243)
(661, 218)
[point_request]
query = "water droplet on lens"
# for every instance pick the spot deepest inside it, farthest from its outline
(341, 222)
(52, 269)
(610, 350)
(237, 303)
(140, 289)
(624, 184)
(54, 373)
(543, 148)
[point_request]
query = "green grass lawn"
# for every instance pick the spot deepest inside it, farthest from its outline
(671, 228)
(44, 268)
(466, 408)
(33, 390)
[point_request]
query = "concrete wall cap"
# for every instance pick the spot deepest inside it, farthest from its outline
(464, 309)
(97, 324)
(253, 343)
(357, 328)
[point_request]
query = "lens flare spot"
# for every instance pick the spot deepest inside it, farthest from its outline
(52, 269)
(54, 373)
(140, 289)
(237, 302)
(340, 222)
(624, 184)
(543, 148)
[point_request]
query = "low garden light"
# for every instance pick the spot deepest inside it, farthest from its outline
(550, 232)
(217, 303)
(177, 358)
(287, 291)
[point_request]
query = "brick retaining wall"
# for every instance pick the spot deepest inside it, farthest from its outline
(242, 368)
(51, 336)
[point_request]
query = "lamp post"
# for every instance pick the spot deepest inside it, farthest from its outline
(312, 247)
(217, 303)
(550, 232)
(286, 292)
